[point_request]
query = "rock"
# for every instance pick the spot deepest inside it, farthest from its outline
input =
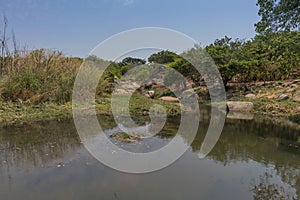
(239, 106)
(296, 96)
(59, 165)
(293, 85)
(188, 92)
(149, 94)
(170, 99)
(18, 149)
(188, 95)
(282, 97)
(290, 90)
(296, 81)
(250, 96)
(298, 109)
(125, 87)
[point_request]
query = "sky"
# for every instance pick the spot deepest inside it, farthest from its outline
(75, 27)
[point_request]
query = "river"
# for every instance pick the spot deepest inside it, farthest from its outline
(253, 159)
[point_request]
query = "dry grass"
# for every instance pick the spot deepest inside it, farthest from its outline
(38, 76)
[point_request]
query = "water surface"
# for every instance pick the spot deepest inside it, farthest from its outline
(251, 160)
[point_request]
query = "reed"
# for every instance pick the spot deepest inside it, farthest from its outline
(38, 76)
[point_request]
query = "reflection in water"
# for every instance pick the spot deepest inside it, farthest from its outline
(36, 145)
(251, 160)
(265, 189)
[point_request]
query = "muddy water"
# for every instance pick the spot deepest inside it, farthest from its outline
(252, 159)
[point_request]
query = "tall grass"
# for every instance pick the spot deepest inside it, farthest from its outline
(38, 76)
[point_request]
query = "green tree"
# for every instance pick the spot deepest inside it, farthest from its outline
(132, 61)
(278, 15)
(163, 57)
(227, 56)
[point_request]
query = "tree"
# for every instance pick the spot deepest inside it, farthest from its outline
(132, 61)
(163, 57)
(227, 56)
(278, 15)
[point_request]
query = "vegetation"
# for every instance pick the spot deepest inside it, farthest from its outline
(282, 15)
(39, 78)
(124, 137)
(267, 57)
(272, 56)
(295, 118)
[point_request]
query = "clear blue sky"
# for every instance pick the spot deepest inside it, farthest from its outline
(76, 27)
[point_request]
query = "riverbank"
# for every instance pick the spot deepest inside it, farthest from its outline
(17, 113)
(273, 100)
(276, 99)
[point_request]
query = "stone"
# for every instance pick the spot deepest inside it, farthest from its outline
(188, 95)
(170, 99)
(283, 97)
(287, 84)
(293, 85)
(239, 106)
(250, 96)
(298, 109)
(188, 92)
(296, 96)
(296, 81)
(290, 90)
(149, 94)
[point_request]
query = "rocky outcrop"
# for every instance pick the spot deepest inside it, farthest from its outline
(125, 87)
(283, 97)
(170, 99)
(239, 106)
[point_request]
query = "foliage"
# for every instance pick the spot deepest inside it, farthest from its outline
(278, 15)
(295, 118)
(129, 61)
(266, 57)
(39, 76)
(273, 56)
(226, 55)
(163, 57)
(178, 63)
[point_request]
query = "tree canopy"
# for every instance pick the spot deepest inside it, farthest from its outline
(278, 15)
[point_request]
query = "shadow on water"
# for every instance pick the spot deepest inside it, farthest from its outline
(252, 160)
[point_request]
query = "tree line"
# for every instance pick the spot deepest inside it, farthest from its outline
(273, 54)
